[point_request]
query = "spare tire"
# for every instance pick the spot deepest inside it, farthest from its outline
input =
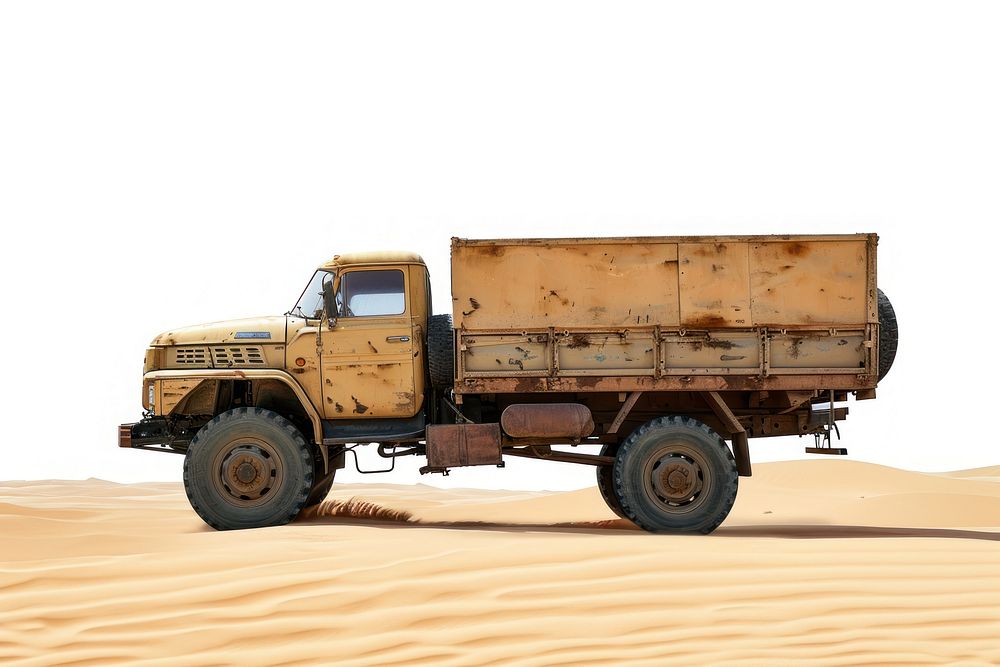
(888, 335)
(441, 351)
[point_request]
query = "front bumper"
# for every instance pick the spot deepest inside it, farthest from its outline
(154, 433)
(125, 435)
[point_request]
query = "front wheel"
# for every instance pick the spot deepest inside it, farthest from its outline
(675, 474)
(248, 468)
(320, 489)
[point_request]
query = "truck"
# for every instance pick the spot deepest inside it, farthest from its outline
(655, 360)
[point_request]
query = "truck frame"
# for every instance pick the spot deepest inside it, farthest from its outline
(640, 357)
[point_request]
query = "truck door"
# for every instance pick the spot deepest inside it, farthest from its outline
(368, 357)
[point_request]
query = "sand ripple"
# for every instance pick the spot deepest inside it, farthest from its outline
(824, 562)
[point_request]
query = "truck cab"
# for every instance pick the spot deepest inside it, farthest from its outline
(364, 360)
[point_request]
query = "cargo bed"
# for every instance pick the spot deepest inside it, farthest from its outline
(665, 314)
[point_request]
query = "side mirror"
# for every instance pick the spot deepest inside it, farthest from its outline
(330, 302)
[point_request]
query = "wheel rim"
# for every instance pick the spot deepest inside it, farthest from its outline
(247, 472)
(677, 478)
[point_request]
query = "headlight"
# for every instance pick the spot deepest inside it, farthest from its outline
(149, 396)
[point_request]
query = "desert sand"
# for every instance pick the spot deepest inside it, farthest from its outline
(826, 562)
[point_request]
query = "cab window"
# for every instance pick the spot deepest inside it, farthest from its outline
(367, 293)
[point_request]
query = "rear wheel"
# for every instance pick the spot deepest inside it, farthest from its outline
(606, 482)
(675, 474)
(248, 468)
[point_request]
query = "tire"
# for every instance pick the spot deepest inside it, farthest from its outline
(248, 468)
(606, 482)
(320, 490)
(441, 351)
(696, 487)
(888, 335)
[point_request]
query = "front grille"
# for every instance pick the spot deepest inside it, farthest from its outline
(237, 355)
(190, 356)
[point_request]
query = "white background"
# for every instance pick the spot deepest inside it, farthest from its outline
(173, 163)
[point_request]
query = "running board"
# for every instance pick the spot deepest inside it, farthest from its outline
(351, 431)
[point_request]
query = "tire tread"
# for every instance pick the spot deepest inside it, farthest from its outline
(441, 351)
(730, 483)
(239, 414)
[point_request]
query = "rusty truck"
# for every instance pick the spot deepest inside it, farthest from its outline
(654, 360)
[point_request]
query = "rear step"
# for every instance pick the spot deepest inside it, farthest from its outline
(829, 416)
(832, 451)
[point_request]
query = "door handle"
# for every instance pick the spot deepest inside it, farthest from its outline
(397, 339)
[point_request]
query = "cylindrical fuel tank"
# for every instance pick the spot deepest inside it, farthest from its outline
(547, 420)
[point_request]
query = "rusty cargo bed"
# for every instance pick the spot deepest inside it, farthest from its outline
(748, 313)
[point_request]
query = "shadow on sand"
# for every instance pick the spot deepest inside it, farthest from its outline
(357, 512)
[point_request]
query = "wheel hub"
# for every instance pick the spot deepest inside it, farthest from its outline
(248, 473)
(677, 479)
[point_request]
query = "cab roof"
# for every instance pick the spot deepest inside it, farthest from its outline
(369, 258)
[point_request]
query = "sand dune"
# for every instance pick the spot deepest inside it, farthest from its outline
(832, 562)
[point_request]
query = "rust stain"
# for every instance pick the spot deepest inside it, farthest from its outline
(797, 249)
(491, 250)
(359, 407)
(713, 249)
(404, 400)
(562, 300)
(705, 322)
(525, 385)
(475, 306)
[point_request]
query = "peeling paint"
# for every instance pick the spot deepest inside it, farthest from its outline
(359, 407)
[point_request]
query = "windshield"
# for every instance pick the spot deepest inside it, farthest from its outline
(310, 304)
